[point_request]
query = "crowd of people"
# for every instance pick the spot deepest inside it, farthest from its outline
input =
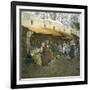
(48, 51)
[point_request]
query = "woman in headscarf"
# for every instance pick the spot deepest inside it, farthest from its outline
(46, 54)
(37, 57)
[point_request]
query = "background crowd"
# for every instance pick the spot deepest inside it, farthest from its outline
(49, 51)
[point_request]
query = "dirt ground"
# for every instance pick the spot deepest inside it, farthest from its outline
(62, 66)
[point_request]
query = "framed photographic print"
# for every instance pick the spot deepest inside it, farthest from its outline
(48, 44)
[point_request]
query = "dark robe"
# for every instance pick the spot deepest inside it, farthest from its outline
(72, 51)
(46, 55)
(29, 59)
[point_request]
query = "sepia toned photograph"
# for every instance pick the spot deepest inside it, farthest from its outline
(49, 44)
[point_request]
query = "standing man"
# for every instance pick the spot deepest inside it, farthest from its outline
(72, 49)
